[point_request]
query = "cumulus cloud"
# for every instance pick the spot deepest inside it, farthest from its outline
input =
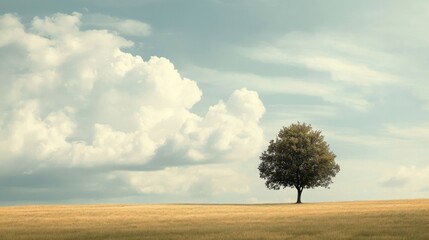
(228, 131)
(76, 98)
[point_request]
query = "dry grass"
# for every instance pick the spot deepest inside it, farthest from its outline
(406, 219)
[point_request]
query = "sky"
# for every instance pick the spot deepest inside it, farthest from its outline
(162, 101)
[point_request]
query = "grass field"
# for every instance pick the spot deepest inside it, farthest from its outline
(405, 219)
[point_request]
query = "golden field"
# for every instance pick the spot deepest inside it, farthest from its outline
(404, 219)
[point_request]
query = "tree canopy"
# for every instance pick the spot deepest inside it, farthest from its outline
(298, 158)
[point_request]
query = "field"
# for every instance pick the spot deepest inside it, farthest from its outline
(405, 219)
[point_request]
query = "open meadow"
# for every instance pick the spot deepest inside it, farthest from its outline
(404, 219)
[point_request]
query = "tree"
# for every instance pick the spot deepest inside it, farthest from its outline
(298, 158)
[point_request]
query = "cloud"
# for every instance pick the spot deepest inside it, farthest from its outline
(228, 131)
(76, 98)
(264, 84)
(409, 177)
(349, 70)
(127, 27)
(415, 132)
(312, 86)
(208, 180)
(383, 143)
(328, 53)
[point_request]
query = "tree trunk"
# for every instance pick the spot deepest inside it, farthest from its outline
(298, 200)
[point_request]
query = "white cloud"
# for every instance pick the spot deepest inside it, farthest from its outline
(58, 24)
(411, 178)
(353, 70)
(381, 150)
(229, 131)
(27, 134)
(328, 53)
(326, 90)
(415, 132)
(75, 98)
(263, 83)
(128, 27)
(209, 180)
(229, 128)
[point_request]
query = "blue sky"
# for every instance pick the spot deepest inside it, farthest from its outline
(173, 101)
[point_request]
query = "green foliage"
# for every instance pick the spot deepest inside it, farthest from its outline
(298, 158)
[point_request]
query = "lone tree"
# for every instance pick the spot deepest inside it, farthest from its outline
(298, 158)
